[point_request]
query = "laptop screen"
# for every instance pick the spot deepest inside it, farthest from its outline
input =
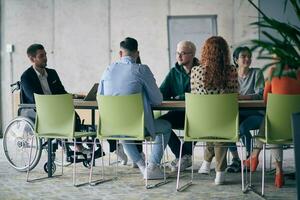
(91, 96)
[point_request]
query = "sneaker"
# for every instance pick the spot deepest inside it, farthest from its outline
(235, 166)
(153, 172)
(134, 165)
(220, 178)
(80, 148)
(186, 162)
(121, 154)
(205, 168)
(173, 164)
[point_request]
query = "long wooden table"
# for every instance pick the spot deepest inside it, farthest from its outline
(174, 105)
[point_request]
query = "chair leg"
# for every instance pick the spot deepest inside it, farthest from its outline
(181, 188)
(242, 168)
(146, 165)
(164, 161)
(92, 165)
(74, 164)
(116, 166)
(263, 171)
(193, 159)
(102, 180)
(250, 174)
(63, 145)
(109, 162)
(30, 154)
(102, 158)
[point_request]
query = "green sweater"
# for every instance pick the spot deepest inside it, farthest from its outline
(176, 83)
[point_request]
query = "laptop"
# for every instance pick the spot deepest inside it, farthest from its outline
(91, 95)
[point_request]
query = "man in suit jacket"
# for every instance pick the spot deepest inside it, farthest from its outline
(37, 78)
(41, 80)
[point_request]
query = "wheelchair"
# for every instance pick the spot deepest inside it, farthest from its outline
(17, 143)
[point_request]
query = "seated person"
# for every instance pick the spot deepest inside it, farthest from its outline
(125, 77)
(215, 75)
(278, 85)
(251, 82)
(174, 87)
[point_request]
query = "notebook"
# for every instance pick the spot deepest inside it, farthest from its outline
(91, 96)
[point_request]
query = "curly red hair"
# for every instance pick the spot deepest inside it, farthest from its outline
(215, 57)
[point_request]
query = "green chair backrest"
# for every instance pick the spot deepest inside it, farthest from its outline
(121, 117)
(55, 116)
(279, 110)
(211, 117)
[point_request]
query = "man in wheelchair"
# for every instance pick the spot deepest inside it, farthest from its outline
(41, 80)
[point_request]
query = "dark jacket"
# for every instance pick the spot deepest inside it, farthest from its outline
(176, 83)
(30, 84)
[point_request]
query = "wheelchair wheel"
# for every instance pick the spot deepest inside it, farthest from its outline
(53, 167)
(17, 143)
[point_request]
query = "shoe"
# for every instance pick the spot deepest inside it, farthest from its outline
(186, 162)
(173, 164)
(254, 163)
(235, 166)
(79, 148)
(134, 165)
(205, 168)
(279, 180)
(220, 178)
(153, 172)
(121, 154)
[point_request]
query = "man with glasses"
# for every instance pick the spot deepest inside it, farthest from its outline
(174, 87)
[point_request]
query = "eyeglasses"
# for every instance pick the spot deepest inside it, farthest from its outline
(183, 53)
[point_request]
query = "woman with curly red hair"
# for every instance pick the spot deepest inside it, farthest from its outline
(215, 75)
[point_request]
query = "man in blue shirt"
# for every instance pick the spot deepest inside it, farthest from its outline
(127, 77)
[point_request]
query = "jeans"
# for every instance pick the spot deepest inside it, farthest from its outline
(162, 128)
(249, 120)
(176, 118)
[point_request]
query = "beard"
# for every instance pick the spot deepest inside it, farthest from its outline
(42, 65)
(183, 62)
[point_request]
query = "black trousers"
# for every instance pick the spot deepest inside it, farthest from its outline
(176, 118)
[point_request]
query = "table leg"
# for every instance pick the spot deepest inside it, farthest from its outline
(49, 163)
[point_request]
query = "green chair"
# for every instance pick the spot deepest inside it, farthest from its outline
(55, 118)
(278, 127)
(210, 118)
(121, 118)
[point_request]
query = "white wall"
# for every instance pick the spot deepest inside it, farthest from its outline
(82, 37)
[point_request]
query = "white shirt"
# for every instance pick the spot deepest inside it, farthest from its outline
(43, 81)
